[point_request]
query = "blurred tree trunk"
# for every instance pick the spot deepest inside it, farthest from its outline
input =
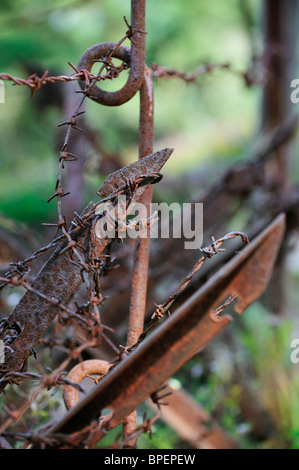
(280, 27)
(74, 180)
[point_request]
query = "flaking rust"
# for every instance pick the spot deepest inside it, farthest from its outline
(144, 167)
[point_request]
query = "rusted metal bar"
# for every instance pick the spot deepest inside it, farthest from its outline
(99, 52)
(79, 373)
(281, 41)
(136, 58)
(183, 414)
(140, 272)
(192, 422)
(181, 336)
(142, 247)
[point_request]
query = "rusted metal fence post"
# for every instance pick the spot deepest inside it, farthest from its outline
(136, 56)
(141, 260)
(280, 24)
(139, 283)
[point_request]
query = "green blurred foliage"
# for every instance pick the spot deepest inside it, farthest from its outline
(211, 120)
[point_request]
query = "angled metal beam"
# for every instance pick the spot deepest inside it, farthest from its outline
(181, 336)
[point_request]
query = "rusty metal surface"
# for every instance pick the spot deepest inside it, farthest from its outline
(181, 336)
(193, 423)
(97, 52)
(136, 58)
(148, 165)
(79, 373)
(57, 280)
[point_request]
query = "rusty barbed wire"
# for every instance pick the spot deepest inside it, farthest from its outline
(217, 312)
(34, 82)
(147, 423)
(156, 397)
(56, 377)
(47, 381)
(192, 77)
(257, 72)
(16, 275)
(162, 309)
(88, 314)
(41, 441)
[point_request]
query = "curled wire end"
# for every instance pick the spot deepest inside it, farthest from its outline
(215, 314)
